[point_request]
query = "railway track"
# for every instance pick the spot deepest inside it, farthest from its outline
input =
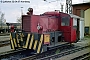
(4, 43)
(55, 56)
(22, 54)
(15, 54)
(85, 56)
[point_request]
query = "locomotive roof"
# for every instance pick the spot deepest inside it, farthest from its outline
(71, 15)
(75, 16)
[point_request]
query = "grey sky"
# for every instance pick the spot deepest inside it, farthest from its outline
(13, 10)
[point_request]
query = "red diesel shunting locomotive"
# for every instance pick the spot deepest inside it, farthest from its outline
(43, 32)
(50, 22)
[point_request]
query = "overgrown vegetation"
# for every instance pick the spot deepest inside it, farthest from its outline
(87, 36)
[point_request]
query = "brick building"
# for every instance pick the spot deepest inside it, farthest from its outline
(83, 10)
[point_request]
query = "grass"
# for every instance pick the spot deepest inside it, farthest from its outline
(87, 36)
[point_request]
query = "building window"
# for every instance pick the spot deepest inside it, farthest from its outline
(86, 30)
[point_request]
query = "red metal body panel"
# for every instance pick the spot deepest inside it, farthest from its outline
(73, 31)
(26, 23)
(34, 23)
(29, 23)
(68, 31)
(43, 21)
(73, 35)
(69, 34)
(50, 21)
(53, 13)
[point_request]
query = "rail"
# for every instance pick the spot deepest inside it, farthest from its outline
(51, 54)
(45, 56)
(4, 43)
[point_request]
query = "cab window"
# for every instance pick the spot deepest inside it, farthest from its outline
(65, 21)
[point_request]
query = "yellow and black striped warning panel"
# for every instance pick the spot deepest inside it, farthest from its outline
(20, 40)
(27, 41)
(16, 40)
(34, 41)
(35, 44)
(31, 41)
(40, 44)
(17, 36)
(13, 40)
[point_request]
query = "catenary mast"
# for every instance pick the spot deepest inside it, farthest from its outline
(68, 6)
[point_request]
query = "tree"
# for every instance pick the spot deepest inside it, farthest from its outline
(2, 22)
(1, 19)
(19, 20)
